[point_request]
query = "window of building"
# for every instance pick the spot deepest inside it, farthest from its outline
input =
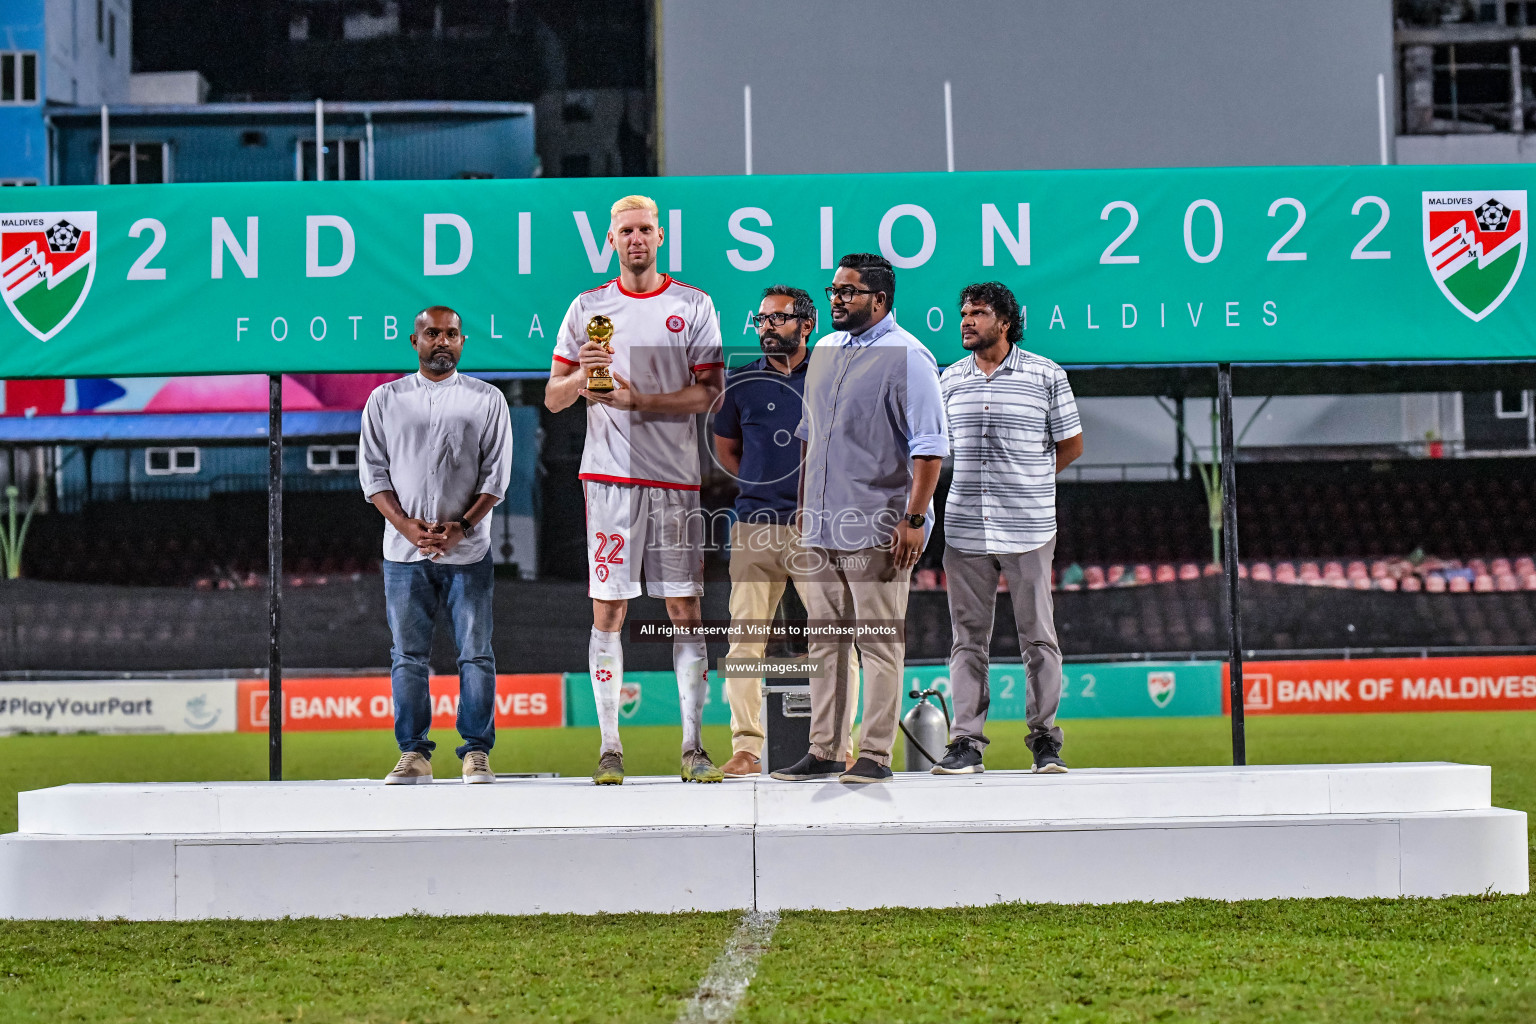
(1511, 405)
(101, 8)
(343, 160)
(138, 163)
(111, 33)
(328, 458)
(172, 461)
(18, 76)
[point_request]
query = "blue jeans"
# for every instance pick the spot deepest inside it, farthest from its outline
(412, 592)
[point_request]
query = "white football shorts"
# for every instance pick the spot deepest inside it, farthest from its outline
(632, 529)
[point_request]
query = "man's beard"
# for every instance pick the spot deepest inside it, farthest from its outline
(442, 362)
(777, 345)
(976, 341)
(854, 319)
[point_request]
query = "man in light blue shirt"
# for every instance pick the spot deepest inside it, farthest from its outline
(874, 436)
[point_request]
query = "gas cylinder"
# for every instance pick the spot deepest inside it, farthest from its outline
(926, 729)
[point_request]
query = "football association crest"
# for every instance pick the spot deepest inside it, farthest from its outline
(629, 698)
(1160, 687)
(1475, 245)
(47, 263)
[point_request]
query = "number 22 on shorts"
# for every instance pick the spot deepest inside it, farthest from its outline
(603, 558)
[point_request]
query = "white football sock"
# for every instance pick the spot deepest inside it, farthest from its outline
(605, 660)
(690, 660)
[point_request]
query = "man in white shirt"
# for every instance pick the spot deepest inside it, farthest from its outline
(1013, 425)
(435, 454)
(640, 466)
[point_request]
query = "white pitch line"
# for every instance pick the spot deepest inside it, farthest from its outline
(727, 979)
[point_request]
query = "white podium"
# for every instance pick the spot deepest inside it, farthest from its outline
(182, 851)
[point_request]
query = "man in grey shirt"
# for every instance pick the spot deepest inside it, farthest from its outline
(435, 455)
(873, 427)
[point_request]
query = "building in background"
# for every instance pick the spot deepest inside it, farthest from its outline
(55, 52)
(1465, 85)
(586, 66)
(276, 142)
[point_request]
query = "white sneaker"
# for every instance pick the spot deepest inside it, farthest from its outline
(411, 769)
(477, 767)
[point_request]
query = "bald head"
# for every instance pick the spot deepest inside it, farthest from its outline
(438, 311)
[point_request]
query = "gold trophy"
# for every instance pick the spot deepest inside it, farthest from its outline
(600, 330)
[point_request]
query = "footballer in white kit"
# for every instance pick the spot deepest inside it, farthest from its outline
(640, 465)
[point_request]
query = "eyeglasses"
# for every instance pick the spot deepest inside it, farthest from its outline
(847, 292)
(777, 319)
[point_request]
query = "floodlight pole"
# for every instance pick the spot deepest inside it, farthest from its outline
(1229, 560)
(274, 576)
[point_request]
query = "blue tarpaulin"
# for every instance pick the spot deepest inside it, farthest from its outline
(157, 427)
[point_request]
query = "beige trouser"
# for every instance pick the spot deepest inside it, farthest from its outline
(862, 587)
(760, 566)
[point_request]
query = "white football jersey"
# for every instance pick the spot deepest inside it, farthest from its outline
(660, 340)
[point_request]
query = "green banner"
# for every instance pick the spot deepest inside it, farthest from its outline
(1204, 265)
(1145, 689)
(1142, 689)
(646, 698)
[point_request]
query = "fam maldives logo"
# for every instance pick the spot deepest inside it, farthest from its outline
(1475, 244)
(47, 264)
(1160, 687)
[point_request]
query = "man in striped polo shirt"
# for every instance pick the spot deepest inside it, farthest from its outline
(1013, 425)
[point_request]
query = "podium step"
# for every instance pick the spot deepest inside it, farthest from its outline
(527, 846)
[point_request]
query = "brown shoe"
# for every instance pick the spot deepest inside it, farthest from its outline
(742, 764)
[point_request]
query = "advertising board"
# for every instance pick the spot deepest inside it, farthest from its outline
(1167, 265)
(1386, 684)
(118, 705)
(364, 702)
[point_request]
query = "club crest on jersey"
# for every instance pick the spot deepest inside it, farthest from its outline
(1475, 245)
(675, 324)
(47, 263)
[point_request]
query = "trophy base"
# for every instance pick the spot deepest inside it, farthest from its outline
(601, 384)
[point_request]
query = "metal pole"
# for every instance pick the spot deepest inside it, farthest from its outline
(1178, 436)
(275, 576)
(746, 120)
(368, 135)
(319, 140)
(1381, 115)
(1229, 559)
(949, 129)
(1516, 91)
(106, 149)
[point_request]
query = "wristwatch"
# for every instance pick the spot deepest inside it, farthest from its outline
(467, 526)
(916, 520)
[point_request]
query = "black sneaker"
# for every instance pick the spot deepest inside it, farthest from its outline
(1047, 753)
(960, 758)
(866, 770)
(809, 768)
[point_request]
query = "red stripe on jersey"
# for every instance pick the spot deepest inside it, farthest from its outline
(601, 479)
(605, 284)
(685, 284)
(666, 282)
(567, 362)
(706, 366)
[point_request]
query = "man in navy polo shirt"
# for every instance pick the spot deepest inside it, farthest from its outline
(755, 442)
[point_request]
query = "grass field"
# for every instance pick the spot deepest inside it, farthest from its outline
(1460, 960)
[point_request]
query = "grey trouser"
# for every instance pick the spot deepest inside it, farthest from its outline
(972, 582)
(862, 587)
